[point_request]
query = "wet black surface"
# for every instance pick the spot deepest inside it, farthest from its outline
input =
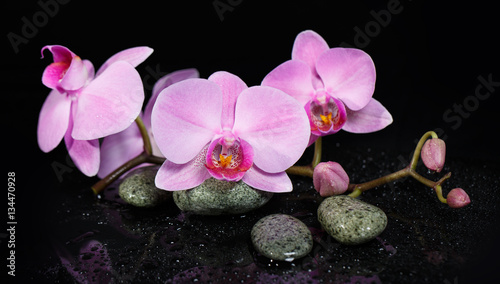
(78, 237)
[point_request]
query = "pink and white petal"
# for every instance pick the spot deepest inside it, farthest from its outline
(76, 75)
(59, 53)
(308, 46)
(185, 117)
(161, 84)
(110, 103)
(84, 153)
(312, 139)
(231, 86)
(174, 177)
(292, 77)
(119, 148)
(90, 71)
(276, 182)
(349, 75)
(372, 117)
(274, 124)
(53, 120)
(53, 74)
(134, 56)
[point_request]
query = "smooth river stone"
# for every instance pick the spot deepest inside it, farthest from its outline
(351, 221)
(281, 237)
(216, 197)
(138, 188)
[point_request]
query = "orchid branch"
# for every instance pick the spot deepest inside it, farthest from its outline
(145, 157)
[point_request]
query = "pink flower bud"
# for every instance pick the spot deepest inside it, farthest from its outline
(433, 154)
(457, 198)
(329, 178)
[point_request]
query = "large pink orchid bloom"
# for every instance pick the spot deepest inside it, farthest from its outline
(335, 85)
(221, 128)
(121, 147)
(83, 107)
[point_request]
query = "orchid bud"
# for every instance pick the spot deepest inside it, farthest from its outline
(433, 154)
(457, 198)
(329, 178)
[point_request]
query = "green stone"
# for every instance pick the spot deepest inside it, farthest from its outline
(138, 188)
(351, 221)
(281, 237)
(216, 197)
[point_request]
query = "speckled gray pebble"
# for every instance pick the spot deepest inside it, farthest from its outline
(138, 188)
(281, 237)
(351, 221)
(216, 197)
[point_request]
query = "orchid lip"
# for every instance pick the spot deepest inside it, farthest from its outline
(228, 157)
(327, 115)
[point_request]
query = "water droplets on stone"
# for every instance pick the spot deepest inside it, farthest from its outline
(281, 237)
(351, 221)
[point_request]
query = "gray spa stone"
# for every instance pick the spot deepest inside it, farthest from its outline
(351, 221)
(216, 197)
(138, 188)
(281, 237)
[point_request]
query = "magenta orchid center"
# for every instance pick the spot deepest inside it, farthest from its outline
(229, 157)
(327, 114)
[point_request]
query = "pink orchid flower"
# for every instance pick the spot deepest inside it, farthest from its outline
(334, 84)
(121, 147)
(83, 107)
(218, 127)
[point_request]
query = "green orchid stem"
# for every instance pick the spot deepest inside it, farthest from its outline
(145, 157)
(309, 169)
(357, 189)
(145, 136)
(418, 149)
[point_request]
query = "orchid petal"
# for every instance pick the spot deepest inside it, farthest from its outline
(276, 182)
(161, 84)
(373, 117)
(53, 120)
(333, 112)
(59, 53)
(308, 46)
(90, 71)
(186, 117)
(110, 103)
(68, 72)
(84, 153)
(174, 177)
(292, 77)
(275, 124)
(134, 56)
(119, 148)
(76, 75)
(348, 74)
(231, 86)
(312, 139)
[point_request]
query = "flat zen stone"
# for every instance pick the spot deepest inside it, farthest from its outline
(216, 197)
(281, 237)
(351, 221)
(138, 188)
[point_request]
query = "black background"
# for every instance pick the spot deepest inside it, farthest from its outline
(428, 57)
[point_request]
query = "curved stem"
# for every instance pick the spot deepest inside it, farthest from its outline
(103, 183)
(418, 149)
(357, 189)
(138, 160)
(145, 136)
(301, 171)
(317, 152)
(309, 169)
